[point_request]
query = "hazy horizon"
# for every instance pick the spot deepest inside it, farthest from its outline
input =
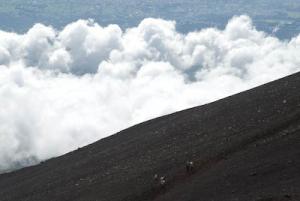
(272, 16)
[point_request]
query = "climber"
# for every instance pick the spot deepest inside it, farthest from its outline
(189, 167)
(162, 182)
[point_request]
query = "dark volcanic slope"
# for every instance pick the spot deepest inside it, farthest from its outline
(245, 147)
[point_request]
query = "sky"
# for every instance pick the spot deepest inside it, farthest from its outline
(61, 89)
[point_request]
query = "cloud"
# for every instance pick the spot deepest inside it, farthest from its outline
(63, 89)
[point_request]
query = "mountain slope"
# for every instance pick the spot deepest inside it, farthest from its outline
(245, 147)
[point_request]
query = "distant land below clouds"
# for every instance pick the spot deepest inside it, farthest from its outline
(61, 89)
(278, 17)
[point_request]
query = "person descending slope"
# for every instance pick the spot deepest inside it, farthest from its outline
(189, 167)
(162, 182)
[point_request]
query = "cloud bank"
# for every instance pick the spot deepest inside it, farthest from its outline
(63, 89)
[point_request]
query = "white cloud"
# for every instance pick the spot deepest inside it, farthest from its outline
(60, 90)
